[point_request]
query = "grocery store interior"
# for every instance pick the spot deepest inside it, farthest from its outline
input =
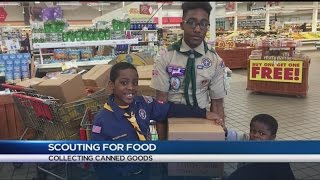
(42, 41)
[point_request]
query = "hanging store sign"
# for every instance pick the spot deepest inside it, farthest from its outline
(168, 20)
(145, 9)
(273, 3)
(134, 11)
(230, 6)
(276, 71)
(165, 2)
(3, 14)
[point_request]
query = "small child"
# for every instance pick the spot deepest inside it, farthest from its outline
(262, 127)
(126, 117)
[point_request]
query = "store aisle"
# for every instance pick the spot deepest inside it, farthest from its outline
(299, 119)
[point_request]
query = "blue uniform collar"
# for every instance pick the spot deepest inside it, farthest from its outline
(117, 109)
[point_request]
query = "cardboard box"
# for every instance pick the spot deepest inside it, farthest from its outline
(98, 76)
(31, 83)
(194, 129)
(145, 89)
(145, 72)
(66, 88)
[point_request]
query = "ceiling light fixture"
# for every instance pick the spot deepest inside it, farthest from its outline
(37, 2)
(71, 3)
(9, 3)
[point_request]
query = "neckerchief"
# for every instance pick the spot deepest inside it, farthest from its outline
(190, 74)
(110, 105)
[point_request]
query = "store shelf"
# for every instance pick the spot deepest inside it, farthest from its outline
(146, 41)
(143, 30)
(84, 43)
(44, 54)
(308, 41)
(79, 64)
(280, 48)
(308, 48)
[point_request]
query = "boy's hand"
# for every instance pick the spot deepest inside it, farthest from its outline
(215, 117)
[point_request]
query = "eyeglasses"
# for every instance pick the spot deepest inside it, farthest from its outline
(203, 24)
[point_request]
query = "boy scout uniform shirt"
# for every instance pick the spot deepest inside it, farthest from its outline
(169, 74)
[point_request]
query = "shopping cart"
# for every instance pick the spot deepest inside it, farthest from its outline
(56, 121)
(86, 124)
(28, 123)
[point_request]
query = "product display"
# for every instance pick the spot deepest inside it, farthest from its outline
(15, 67)
(278, 68)
(86, 38)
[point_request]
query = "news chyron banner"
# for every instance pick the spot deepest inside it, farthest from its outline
(159, 151)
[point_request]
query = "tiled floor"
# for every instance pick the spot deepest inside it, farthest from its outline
(299, 119)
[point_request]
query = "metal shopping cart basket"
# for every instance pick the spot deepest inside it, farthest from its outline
(28, 123)
(86, 124)
(58, 121)
(31, 130)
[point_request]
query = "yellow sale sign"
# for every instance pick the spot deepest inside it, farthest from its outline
(278, 71)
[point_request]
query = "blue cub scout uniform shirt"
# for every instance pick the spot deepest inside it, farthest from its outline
(112, 125)
(109, 126)
(115, 126)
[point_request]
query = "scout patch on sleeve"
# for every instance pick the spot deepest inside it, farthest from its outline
(148, 99)
(199, 66)
(176, 71)
(142, 114)
(175, 83)
(204, 83)
(206, 62)
(96, 129)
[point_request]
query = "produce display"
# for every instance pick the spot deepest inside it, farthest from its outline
(306, 35)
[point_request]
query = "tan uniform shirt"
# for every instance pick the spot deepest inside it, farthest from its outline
(169, 72)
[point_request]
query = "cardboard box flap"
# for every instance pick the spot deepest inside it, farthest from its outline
(145, 72)
(59, 81)
(30, 82)
(96, 71)
(53, 82)
(98, 76)
(144, 82)
(66, 88)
